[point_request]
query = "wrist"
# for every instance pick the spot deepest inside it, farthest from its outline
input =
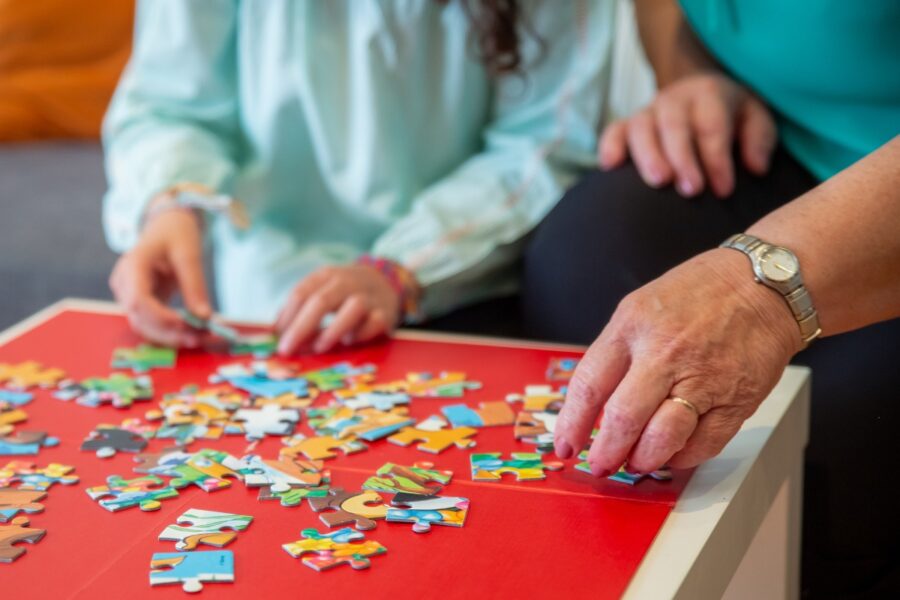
(770, 310)
(402, 281)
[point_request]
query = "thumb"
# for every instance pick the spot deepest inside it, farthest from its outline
(187, 264)
(757, 135)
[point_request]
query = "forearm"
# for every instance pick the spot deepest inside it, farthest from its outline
(846, 234)
(671, 47)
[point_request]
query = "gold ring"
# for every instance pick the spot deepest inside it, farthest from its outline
(684, 402)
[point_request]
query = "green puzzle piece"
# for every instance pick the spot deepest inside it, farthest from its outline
(293, 496)
(143, 358)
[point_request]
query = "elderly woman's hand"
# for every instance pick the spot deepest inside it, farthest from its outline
(704, 332)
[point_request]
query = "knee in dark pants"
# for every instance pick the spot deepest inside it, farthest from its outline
(608, 235)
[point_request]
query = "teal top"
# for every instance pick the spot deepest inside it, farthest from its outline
(829, 68)
(371, 129)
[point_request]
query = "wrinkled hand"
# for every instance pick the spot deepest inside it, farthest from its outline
(168, 257)
(705, 332)
(686, 135)
(363, 300)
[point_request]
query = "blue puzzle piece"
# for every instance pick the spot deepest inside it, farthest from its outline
(461, 415)
(15, 398)
(270, 388)
(421, 519)
(8, 448)
(191, 569)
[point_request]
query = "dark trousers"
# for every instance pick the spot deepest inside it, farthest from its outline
(611, 234)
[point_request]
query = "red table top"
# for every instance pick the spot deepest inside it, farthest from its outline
(567, 536)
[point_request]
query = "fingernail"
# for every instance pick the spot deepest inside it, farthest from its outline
(686, 188)
(563, 449)
(599, 472)
(283, 348)
(319, 347)
(655, 177)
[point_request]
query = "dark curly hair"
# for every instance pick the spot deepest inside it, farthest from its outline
(495, 24)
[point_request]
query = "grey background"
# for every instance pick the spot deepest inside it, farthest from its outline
(51, 238)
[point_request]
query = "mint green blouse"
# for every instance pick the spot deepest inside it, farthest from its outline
(829, 68)
(351, 127)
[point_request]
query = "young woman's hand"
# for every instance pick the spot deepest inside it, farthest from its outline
(168, 257)
(364, 303)
(685, 136)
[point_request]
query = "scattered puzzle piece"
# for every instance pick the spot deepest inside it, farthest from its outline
(282, 474)
(379, 400)
(339, 376)
(294, 495)
(360, 508)
(191, 569)
(198, 526)
(334, 549)
(29, 477)
(288, 400)
(561, 369)
(15, 501)
(488, 414)
(527, 466)
(143, 358)
(118, 389)
(444, 385)
(15, 398)
(623, 476)
(319, 447)
(29, 374)
(435, 441)
(417, 479)
(144, 492)
(264, 378)
(106, 440)
(10, 415)
(539, 398)
(208, 469)
(536, 428)
(268, 420)
(259, 345)
(17, 531)
(369, 424)
(23, 443)
(425, 511)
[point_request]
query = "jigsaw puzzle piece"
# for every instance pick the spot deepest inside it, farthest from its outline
(377, 400)
(268, 420)
(334, 549)
(280, 475)
(339, 376)
(144, 492)
(15, 398)
(425, 511)
(106, 440)
(294, 495)
(435, 441)
(17, 531)
(417, 479)
(623, 476)
(359, 508)
(118, 389)
(10, 416)
(191, 569)
(444, 385)
(209, 527)
(539, 398)
(561, 369)
(536, 428)
(29, 477)
(259, 345)
(488, 414)
(526, 466)
(319, 447)
(29, 374)
(13, 502)
(208, 469)
(23, 443)
(143, 358)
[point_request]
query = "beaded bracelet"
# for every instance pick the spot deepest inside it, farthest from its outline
(403, 283)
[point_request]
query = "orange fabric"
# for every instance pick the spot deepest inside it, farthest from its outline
(59, 64)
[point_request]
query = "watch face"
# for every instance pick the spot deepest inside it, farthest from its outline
(778, 264)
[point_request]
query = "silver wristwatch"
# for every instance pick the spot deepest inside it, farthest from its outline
(779, 269)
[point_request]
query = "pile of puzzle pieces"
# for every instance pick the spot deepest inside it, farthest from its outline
(32, 483)
(16, 381)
